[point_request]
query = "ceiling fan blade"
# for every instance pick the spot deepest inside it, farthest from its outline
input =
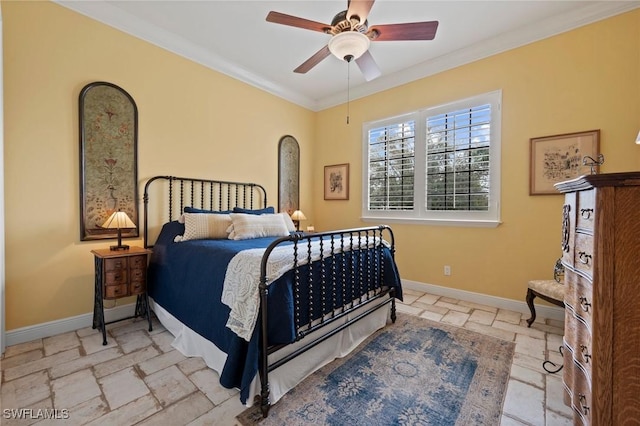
(294, 21)
(313, 61)
(360, 8)
(408, 31)
(368, 66)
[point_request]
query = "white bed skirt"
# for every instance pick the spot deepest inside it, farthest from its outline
(287, 376)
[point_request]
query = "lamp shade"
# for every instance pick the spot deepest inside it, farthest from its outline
(118, 220)
(298, 215)
(638, 138)
(349, 45)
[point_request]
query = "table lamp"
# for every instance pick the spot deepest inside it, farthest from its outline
(297, 216)
(119, 220)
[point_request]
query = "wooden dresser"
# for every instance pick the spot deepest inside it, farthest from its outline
(601, 255)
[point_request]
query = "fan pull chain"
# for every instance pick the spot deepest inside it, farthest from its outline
(348, 87)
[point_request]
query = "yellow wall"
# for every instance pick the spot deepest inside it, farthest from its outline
(192, 122)
(585, 79)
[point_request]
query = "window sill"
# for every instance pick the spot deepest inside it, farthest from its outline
(435, 222)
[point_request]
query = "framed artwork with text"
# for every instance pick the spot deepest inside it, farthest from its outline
(561, 157)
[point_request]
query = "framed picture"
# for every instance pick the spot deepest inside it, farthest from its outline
(108, 159)
(336, 182)
(561, 157)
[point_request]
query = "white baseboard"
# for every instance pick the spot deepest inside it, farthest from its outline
(542, 311)
(48, 329)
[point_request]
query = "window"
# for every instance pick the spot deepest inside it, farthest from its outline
(439, 165)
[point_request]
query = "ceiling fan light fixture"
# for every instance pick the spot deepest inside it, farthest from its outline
(349, 45)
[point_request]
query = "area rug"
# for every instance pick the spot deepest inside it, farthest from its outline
(413, 372)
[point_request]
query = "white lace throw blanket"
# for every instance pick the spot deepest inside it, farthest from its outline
(241, 282)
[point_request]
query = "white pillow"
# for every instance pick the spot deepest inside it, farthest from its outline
(245, 226)
(202, 226)
(288, 221)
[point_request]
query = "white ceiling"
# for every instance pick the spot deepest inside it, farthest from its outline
(234, 38)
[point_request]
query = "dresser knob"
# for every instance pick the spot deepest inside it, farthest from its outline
(584, 257)
(586, 213)
(585, 353)
(584, 303)
(583, 402)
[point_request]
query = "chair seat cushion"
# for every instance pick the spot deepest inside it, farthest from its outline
(550, 288)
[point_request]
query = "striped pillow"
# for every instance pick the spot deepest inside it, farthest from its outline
(203, 226)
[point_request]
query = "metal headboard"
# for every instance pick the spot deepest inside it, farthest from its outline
(175, 193)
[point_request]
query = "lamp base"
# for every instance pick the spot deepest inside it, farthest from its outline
(119, 247)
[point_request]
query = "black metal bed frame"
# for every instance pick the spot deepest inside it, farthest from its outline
(333, 270)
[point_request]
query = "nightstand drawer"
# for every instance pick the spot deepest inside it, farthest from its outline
(115, 277)
(115, 291)
(117, 264)
(138, 274)
(138, 287)
(138, 262)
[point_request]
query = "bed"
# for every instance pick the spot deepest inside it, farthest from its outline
(263, 304)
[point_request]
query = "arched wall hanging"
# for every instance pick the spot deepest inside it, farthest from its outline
(288, 174)
(108, 159)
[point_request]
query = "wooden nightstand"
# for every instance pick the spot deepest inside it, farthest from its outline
(120, 273)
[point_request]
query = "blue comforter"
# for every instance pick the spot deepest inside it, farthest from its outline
(187, 279)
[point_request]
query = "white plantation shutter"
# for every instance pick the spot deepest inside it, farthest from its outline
(391, 166)
(452, 174)
(458, 160)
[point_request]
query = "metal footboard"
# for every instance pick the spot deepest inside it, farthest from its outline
(349, 267)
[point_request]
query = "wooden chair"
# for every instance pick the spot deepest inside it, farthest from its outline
(550, 290)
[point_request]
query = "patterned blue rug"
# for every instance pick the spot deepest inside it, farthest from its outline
(413, 372)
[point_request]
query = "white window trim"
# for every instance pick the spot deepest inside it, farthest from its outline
(488, 219)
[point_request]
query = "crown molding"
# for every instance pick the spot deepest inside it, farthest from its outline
(107, 14)
(117, 18)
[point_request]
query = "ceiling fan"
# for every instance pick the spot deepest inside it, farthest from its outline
(351, 35)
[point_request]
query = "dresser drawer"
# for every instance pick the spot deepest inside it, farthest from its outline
(115, 291)
(582, 349)
(583, 253)
(579, 295)
(585, 212)
(581, 400)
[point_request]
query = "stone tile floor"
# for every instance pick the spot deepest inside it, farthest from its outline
(138, 378)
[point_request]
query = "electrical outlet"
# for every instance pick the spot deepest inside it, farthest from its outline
(447, 270)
